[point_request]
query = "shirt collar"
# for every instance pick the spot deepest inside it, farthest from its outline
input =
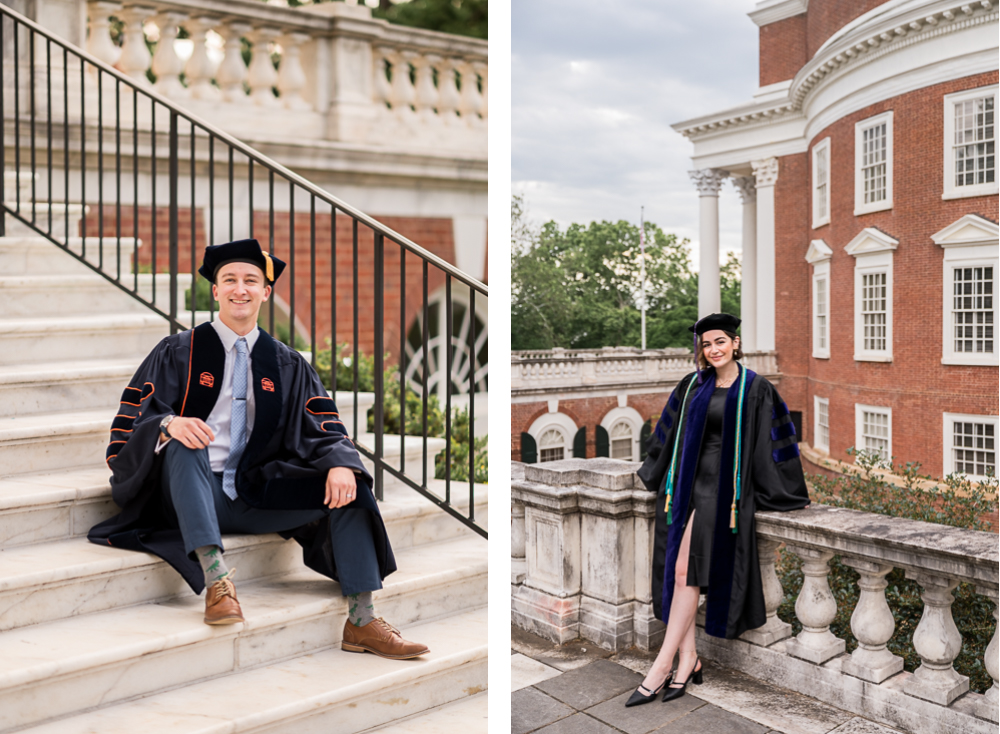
(229, 337)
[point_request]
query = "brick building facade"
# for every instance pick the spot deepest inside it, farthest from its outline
(867, 164)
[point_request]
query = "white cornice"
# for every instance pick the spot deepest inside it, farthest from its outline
(871, 240)
(970, 230)
(818, 252)
(771, 11)
(881, 31)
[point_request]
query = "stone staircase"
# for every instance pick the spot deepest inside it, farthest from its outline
(93, 638)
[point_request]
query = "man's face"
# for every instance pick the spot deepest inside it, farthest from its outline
(240, 289)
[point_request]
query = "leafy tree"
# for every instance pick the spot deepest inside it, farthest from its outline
(459, 17)
(579, 288)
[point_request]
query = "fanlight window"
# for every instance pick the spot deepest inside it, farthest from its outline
(621, 441)
(551, 446)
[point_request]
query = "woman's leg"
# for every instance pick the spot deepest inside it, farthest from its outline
(680, 627)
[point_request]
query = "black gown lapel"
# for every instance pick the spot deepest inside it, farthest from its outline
(205, 371)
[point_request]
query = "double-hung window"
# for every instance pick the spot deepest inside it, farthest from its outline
(969, 285)
(821, 183)
(821, 426)
(818, 256)
(970, 143)
(873, 164)
(873, 430)
(873, 252)
(970, 444)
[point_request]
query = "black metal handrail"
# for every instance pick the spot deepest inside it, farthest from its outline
(21, 52)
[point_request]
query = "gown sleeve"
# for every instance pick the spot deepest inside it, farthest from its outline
(779, 483)
(660, 446)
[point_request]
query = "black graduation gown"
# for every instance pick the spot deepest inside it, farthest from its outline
(297, 437)
(771, 479)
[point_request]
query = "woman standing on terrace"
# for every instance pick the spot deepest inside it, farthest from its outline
(723, 448)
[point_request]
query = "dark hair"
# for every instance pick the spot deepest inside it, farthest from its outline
(700, 356)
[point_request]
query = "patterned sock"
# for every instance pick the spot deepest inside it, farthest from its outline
(360, 608)
(212, 563)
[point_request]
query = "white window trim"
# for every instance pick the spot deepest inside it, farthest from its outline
(560, 421)
(859, 437)
(948, 463)
(951, 191)
(860, 207)
(632, 417)
(821, 146)
(971, 241)
(873, 252)
(816, 403)
(818, 255)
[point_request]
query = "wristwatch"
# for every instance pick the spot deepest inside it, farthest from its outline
(164, 423)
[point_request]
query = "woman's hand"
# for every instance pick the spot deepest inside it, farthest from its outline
(192, 432)
(341, 486)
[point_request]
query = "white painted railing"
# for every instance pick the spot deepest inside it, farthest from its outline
(341, 75)
(581, 534)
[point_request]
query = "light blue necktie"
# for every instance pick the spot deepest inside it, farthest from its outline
(238, 424)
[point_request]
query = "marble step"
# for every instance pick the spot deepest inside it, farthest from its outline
(85, 293)
(467, 715)
(37, 508)
(52, 441)
(325, 692)
(39, 582)
(105, 336)
(35, 255)
(70, 665)
(48, 387)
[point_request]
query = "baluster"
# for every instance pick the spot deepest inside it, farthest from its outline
(774, 629)
(872, 624)
(937, 641)
(815, 609)
(232, 70)
(989, 706)
(381, 56)
(469, 103)
(403, 93)
(261, 75)
(166, 63)
(447, 91)
(291, 77)
(99, 42)
(518, 563)
(482, 69)
(199, 69)
(426, 94)
(135, 59)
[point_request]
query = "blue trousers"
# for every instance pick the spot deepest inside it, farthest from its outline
(192, 494)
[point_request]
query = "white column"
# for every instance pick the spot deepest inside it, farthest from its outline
(766, 173)
(748, 276)
(815, 608)
(938, 642)
(872, 624)
(708, 181)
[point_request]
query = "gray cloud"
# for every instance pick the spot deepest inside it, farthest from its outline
(596, 86)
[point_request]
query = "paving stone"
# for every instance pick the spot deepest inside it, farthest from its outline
(526, 672)
(858, 725)
(531, 709)
(578, 724)
(562, 657)
(712, 719)
(590, 685)
(644, 718)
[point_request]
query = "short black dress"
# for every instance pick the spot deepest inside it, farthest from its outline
(705, 492)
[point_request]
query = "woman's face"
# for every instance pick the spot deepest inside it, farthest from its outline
(718, 348)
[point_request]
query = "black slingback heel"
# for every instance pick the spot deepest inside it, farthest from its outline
(638, 698)
(671, 693)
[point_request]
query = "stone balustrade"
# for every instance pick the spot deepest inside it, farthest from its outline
(609, 367)
(581, 543)
(341, 75)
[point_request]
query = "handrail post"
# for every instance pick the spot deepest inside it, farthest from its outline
(174, 265)
(379, 366)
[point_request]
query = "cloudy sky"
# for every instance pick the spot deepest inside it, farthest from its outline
(595, 88)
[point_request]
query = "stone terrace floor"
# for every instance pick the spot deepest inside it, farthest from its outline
(578, 688)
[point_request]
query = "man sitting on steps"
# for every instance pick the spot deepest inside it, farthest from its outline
(225, 430)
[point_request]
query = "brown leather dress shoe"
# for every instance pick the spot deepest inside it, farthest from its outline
(381, 638)
(221, 606)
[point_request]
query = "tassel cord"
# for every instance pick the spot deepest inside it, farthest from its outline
(673, 459)
(737, 460)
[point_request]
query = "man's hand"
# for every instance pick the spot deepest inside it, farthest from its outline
(341, 486)
(192, 432)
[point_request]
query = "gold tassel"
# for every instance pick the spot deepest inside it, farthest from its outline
(666, 507)
(270, 267)
(732, 516)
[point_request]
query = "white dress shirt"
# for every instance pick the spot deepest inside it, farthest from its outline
(221, 416)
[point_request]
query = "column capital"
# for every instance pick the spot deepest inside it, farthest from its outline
(765, 171)
(708, 181)
(747, 188)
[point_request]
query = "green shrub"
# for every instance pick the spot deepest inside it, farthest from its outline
(961, 503)
(460, 452)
